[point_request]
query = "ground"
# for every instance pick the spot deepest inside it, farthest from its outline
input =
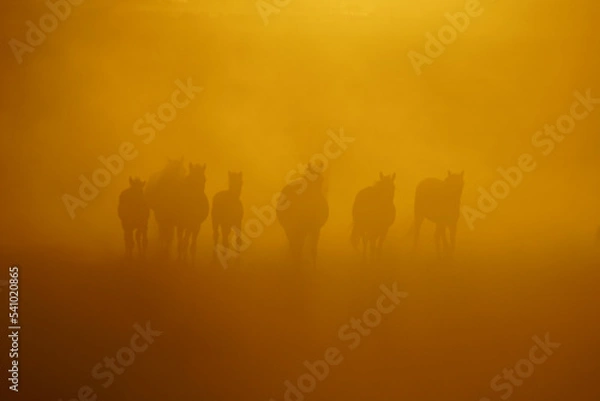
(241, 333)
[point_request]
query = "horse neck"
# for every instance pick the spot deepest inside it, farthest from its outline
(135, 194)
(315, 187)
(453, 197)
(196, 186)
(380, 193)
(235, 191)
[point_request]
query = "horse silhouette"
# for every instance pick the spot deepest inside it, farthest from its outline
(439, 202)
(163, 194)
(134, 214)
(228, 211)
(302, 211)
(193, 210)
(373, 214)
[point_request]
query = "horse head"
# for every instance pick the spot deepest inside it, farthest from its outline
(174, 170)
(454, 183)
(314, 175)
(386, 185)
(136, 184)
(235, 182)
(197, 174)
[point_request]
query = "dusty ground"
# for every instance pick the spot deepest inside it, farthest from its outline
(241, 333)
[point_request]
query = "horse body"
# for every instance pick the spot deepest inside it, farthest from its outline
(439, 202)
(163, 193)
(193, 204)
(304, 216)
(373, 214)
(228, 211)
(134, 214)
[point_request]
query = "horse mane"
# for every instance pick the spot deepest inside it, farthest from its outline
(161, 183)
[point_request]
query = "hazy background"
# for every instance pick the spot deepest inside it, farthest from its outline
(271, 94)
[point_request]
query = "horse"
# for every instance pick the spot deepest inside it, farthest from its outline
(302, 210)
(134, 214)
(193, 204)
(228, 211)
(439, 202)
(373, 214)
(163, 195)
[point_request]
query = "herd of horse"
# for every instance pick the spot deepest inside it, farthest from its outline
(177, 198)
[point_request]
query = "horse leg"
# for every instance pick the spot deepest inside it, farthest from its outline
(161, 236)
(365, 244)
(417, 228)
(144, 235)
(215, 230)
(452, 230)
(193, 238)
(438, 239)
(187, 235)
(296, 244)
(179, 231)
(314, 245)
(215, 227)
(238, 237)
(226, 233)
(444, 238)
(372, 248)
(234, 249)
(128, 233)
(138, 240)
(380, 245)
(170, 232)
